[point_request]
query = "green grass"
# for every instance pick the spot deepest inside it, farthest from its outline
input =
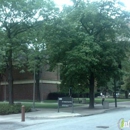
(40, 105)
(110, 100)
(53, 103)
(46, 104)
(45, 101)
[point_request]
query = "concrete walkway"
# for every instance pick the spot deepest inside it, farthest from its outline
(44, 115)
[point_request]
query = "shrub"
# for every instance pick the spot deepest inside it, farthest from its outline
(55, 95)
(6, 109)
(27, 109)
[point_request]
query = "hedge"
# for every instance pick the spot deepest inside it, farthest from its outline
(6, 109)
(55, 95)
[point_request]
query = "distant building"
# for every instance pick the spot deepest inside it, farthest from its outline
(23, 84)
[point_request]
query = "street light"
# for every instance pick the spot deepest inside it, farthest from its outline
(34, 90)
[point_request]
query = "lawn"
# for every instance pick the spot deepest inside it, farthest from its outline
(99, 100)
(53, 103)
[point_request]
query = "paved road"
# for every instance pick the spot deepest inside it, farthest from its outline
(10, 126)
(14, 125)
(13, 122)
(96, 122)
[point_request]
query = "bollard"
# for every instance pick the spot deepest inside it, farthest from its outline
(23, 113)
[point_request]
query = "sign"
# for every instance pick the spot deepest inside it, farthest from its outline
(65, 102)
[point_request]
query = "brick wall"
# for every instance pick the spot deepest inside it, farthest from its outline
(25, 91)
(46, 89)
(1, 93)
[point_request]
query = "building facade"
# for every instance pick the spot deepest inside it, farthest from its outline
(24, 84)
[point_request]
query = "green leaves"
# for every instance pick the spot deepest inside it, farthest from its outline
(86, 39)
(21, 24)
(18, 20)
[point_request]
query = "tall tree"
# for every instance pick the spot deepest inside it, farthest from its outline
(90, 40)
(16, 20)
(36, 56)
(126, 77)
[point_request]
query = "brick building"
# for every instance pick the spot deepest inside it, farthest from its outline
(24, 82)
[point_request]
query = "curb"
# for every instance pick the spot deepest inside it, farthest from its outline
(80, 115)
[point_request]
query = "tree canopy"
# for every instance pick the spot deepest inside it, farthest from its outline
(90, 39)
(17, 19)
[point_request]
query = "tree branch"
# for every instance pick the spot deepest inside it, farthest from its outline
(81, 20)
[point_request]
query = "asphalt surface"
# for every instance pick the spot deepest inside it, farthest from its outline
(46, 116)
(109, 121)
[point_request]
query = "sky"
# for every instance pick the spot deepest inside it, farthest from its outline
(127, 3)
(62, 2)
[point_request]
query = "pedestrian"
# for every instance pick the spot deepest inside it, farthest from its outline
(103, 99)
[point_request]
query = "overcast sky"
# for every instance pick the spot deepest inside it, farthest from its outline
(61, 2)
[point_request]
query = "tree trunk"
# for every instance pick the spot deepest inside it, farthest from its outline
(126, 94)
(10, 77)
(91, 91)
(37, 77)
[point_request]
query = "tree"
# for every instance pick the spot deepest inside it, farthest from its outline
(37, 53)
(17, 19)
(89, 40)
(126, 77)
(36, 56)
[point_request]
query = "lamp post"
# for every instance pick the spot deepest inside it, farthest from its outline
(70, 91)
(58, 75)
(115, 92)
(34, 90)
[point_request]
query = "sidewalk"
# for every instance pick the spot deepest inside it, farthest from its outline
(45, 115)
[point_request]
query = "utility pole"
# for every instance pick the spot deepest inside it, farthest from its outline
(115, 92)
(34, 90)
